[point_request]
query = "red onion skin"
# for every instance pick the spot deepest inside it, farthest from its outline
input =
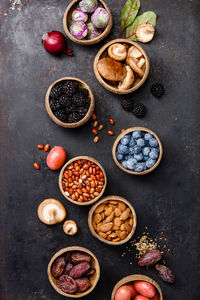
(55, 43)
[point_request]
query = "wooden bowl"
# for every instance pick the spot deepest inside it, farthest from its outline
(135, 277)
(128, 131)
(82, 84)
(68, 16)
(95, 234)
(103, 53)
(61, 175)
(93, 279)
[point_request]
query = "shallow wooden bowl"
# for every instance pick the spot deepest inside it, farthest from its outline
(95, 234)
(68, 16)
(128, 131)
(61, 175)
(93, 279)
(135, 277)
(82, 84)
(103, 53)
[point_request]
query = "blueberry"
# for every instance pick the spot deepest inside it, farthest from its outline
(150, 163)
(131, 150)
(136, 149)
(124, 164)
(128, 156)
(141, 142)
(153, 142)
(122, 149)
(132, 142)
(119, 156)
(138, 157)
(146, 151)
(154, 153)
(158, 149)
(131, 163)
(145, 158)
(125, 140)
(137, 134)
(147, 136)
(139, 167)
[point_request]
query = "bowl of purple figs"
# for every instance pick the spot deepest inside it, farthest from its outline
(73, 271)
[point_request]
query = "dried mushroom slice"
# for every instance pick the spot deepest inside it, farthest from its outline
(70, 227)
(145, 32)
(128, 80)
(111, 69)
(134, 52)
(51, 211)
(117, 51)
(133, 63)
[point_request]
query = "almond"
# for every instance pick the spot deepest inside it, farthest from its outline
(110, 218)
(97, 218)
(106, 227)
(115, 227)
(117, 212)
(131, 222)
(116, 240)
(123, 235)
(99, 226)
(113, 202)
(102, 234)
(102, 215)
(123, 227)
(121, 206)
(117, 222)
(112, 235)
(125, 215)
(108, 211)
(99, 209)
(94, 225)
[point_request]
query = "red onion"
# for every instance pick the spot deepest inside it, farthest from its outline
(55, 43)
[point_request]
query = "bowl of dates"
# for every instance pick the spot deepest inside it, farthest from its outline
(73, 272)
(137, 151)
(69, 102)
(112, 220)
(137, 287)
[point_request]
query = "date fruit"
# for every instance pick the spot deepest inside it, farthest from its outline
(78, 257)
(150, 258)
(91, 271)
(68, 268)
(58, 266)
(79, 269)
(165, 273)
(83, 284)
(67, 284)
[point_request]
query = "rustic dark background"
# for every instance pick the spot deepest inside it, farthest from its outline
(166, 201)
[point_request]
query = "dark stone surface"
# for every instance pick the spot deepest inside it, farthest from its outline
(166, 201)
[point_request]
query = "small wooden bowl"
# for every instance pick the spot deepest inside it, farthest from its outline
(61, 176)
(135, 277)
(82, 84)
(128, 131)
(93, 279)
(95, 234)
(103, 53)
(68, 16)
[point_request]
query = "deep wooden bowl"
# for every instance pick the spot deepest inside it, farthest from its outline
(131, 130)
(68, 16)
(93, 279)
(103, 53)
(82, 84)
(95, 234)
(61, 175)
(135, 277)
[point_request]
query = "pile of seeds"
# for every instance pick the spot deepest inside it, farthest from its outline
(96, 127)
(69, 102)
(83, 180)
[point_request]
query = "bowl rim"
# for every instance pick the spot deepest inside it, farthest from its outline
(111, 88)
(110, 198)
(73, 248)
(135, 277)
(131, 130)
(84, 41)
(89, 112)
(61, 175)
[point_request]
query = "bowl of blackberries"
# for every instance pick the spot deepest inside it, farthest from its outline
(73, 271)
(137, 151)
(69, 102)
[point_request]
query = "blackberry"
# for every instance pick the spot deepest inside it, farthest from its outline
(69, 87)
(56, 90)
(139, 110)
(87, 103)
(82, 111)
(83, 92)
(127, 104)
(54, 105)
(78, 100)
(74, 117)
(157, 90)
(65, 101)
(61, 115)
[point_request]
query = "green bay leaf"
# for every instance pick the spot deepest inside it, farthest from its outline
(129, 12)
(148, 16)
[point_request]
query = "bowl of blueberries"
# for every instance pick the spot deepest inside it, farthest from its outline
(137, 151)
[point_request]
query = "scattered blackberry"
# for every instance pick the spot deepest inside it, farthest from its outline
(83, 92)
(139, 110)
(61, 115)
(82, 111)
(56, 90)
(157, 90)
(69, 87)
(127, 104)
(78, 100)
(65, 101)
(73, 117)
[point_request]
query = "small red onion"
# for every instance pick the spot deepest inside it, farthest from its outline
(55, 43)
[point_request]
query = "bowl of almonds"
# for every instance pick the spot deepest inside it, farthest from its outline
(112, 220)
